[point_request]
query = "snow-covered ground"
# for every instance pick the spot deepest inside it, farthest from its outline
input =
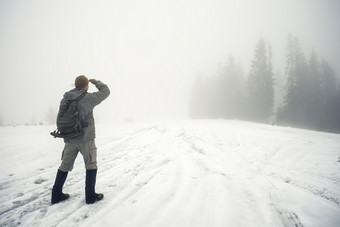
(193, 173)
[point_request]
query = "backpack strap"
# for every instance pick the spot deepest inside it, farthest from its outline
(79, 97)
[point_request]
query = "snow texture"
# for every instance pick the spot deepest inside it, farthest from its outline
(192, 173)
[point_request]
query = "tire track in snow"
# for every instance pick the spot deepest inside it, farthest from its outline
(137, 162)
(122, 172)
(288, 218)
(29, 200)
(250, 171)
(211, 158)
(168, 176)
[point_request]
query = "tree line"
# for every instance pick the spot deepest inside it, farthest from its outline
(310, 91)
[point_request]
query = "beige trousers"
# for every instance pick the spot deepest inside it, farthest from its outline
(70, 152)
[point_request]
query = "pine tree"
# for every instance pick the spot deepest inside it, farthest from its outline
(330, 115)
(313, 100)
(260, 84)
(336, 113)
(292, 111)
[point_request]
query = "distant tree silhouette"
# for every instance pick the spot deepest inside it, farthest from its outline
(260, 84)
(229, 86)
(335, 121)
(292, 110)
(310, 95)
(313, 98)
(330, 98)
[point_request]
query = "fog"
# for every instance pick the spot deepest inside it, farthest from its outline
(148, 52)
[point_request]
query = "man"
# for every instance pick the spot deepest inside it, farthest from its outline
(84, 143)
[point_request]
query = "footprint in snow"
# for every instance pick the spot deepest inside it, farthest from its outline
(17, 202)
(39, 180)
(287, 180)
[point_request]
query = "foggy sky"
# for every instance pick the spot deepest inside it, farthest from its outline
(148, 52)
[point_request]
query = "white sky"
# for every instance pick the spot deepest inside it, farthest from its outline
(148, 52)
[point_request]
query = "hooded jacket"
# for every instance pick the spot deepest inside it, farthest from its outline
(85, 109)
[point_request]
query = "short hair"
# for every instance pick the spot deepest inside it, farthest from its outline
(81, 82)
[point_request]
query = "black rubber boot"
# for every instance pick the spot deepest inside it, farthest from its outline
(57, 194)
(90, 183)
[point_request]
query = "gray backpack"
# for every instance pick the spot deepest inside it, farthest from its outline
(68, 124)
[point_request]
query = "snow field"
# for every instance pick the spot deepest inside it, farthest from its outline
(193, 173)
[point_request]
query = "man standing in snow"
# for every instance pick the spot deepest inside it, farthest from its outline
(84, 143)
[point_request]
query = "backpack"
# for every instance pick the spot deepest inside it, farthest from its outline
(68, 123)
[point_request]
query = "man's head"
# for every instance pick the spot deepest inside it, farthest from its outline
(82, 82)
